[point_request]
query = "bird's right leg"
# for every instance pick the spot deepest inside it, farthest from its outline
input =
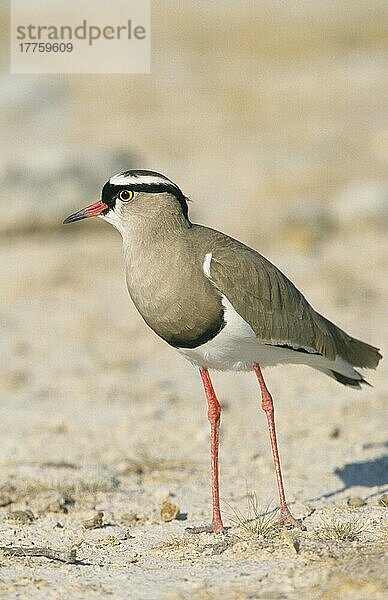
(286, 518)
(214, 416)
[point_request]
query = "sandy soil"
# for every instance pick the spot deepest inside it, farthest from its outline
(99, 415)
(287, 152)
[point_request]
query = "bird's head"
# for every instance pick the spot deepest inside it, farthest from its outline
(134, 193)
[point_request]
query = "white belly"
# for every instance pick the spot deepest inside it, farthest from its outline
(237, 355)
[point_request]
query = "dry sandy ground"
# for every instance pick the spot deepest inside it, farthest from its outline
(274, 121)
(99, 415)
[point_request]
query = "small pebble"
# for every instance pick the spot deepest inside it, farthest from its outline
(5, 500)
(383, 500)
(355, 502)
(291, 540)
(95, 522)
(127, 535)
(335, 433)
(110, 540)
(22, 516)
(130, 519)
(168, 511)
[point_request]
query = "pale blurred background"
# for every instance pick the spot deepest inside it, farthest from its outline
(272, 117)
(267, 114)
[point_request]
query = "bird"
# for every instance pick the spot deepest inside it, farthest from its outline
(220, 304)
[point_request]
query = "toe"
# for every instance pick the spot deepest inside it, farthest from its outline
(287, 519)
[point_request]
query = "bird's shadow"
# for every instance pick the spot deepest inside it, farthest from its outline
(368, 473)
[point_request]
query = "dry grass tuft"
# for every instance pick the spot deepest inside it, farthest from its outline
(256, 522)
(340, 530)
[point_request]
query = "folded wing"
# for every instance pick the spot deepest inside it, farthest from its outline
(276, 310)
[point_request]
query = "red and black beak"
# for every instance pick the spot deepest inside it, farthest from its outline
(90, 211)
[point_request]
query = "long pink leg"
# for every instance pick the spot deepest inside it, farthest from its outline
(214, 415)
(286, 517)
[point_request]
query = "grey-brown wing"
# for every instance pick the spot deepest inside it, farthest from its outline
(274, 307)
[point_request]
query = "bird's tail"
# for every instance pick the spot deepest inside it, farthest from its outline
(345, 352)
(356, 381)
(357, 353)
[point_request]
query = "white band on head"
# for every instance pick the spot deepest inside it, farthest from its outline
(146, 179)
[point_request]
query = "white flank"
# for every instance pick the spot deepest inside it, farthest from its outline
(233, 349)
(225, 351)
(207, 264)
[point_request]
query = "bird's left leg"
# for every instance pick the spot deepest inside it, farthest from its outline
(286, 518)
(214, 416)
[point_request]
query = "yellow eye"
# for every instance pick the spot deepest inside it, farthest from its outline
(125, 195)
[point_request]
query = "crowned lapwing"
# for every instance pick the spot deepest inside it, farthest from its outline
(218, 302)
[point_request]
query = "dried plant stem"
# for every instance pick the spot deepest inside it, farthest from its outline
(66, 556)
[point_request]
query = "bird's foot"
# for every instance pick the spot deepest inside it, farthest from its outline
(288, 520)
(214, 527)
